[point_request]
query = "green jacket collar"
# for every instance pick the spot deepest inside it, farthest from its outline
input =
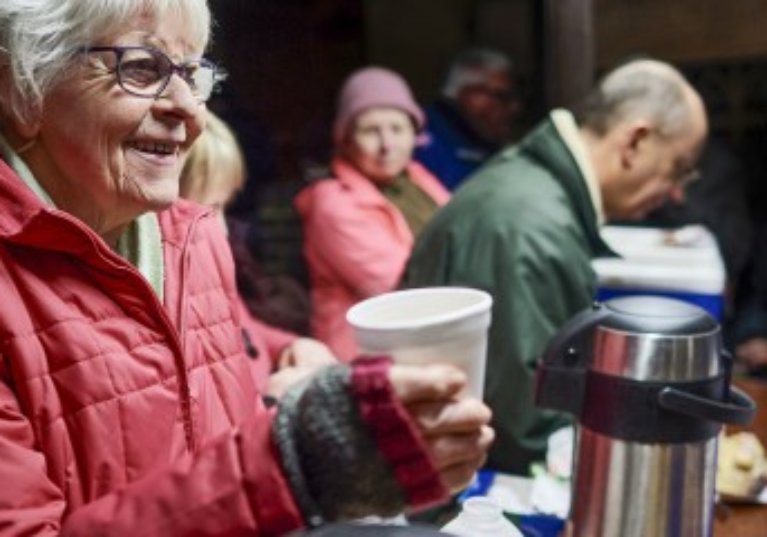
(546, 147)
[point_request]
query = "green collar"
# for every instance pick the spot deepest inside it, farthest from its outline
(545, 146)
(141, 245)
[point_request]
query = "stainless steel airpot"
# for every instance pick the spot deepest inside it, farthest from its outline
(649, 385)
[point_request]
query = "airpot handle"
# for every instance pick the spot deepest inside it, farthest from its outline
(561, 375)
(738, 408)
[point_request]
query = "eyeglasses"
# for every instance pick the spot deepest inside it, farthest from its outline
(684, 177)
(500, 95)
(683, 173)
(146, 72)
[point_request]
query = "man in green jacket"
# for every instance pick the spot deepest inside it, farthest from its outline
(526, 226)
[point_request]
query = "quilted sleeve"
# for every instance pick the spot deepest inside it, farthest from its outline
(30, 504)
(233, 485)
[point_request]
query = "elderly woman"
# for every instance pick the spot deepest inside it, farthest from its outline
(359, 226)
(126, 404)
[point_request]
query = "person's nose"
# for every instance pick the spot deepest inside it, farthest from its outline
(178, 99)
(178, 105)
(385, 140)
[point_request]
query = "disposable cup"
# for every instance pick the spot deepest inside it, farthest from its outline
(426, 326)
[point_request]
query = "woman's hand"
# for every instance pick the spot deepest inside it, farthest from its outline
(455, 430)
(306, 352)
(299, 361)
(281, 381)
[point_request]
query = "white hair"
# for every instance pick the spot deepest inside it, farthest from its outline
(39, 40)
(471, 67)
(641, 88)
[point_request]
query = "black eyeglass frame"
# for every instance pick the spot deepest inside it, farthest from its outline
(503, 96)
(682, 175)
(219, 74)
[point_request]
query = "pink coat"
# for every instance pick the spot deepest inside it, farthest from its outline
(264, 344)
(118, 409)
(124, 415)
(356, 244)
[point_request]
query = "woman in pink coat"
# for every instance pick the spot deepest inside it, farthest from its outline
(127, 404)
(359, 225)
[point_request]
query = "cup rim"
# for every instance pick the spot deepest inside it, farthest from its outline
(484, 303)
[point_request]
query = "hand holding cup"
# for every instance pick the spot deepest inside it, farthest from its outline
(455, 429)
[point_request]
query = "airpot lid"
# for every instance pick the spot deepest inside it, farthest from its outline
(657, 315)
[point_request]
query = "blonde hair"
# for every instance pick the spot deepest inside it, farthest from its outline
(215, 161)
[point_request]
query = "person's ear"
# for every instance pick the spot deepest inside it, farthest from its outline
(21, 127)
(20, 133)
(634, 141)
(15, 126)
(20, 130)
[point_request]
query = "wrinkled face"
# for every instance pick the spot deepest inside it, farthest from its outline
(381, 142)
(661, 170)
(105, 155)
(490, 107)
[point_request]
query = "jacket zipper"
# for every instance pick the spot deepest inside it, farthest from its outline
(186, 396)
(172, 335)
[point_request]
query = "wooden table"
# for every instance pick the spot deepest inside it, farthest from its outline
(746, 520)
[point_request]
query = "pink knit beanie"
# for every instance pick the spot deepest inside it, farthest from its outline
(373, 87)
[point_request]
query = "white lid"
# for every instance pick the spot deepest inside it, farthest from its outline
(692, 264)
(481, 516)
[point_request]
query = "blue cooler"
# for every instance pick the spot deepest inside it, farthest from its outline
(684, 264)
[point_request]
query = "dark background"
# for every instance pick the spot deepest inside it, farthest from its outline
(287, 59)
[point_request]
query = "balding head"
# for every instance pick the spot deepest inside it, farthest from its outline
(647, 89)
(644, 126)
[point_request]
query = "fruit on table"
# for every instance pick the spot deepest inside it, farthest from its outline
(741, 466)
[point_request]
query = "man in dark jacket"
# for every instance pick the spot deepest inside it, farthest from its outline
(473, 117)
(527, 226)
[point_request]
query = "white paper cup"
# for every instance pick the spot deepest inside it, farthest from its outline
(428, 325)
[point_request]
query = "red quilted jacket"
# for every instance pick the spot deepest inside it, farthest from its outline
(116, 410)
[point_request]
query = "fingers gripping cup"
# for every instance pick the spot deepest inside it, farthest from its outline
(427, 326)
